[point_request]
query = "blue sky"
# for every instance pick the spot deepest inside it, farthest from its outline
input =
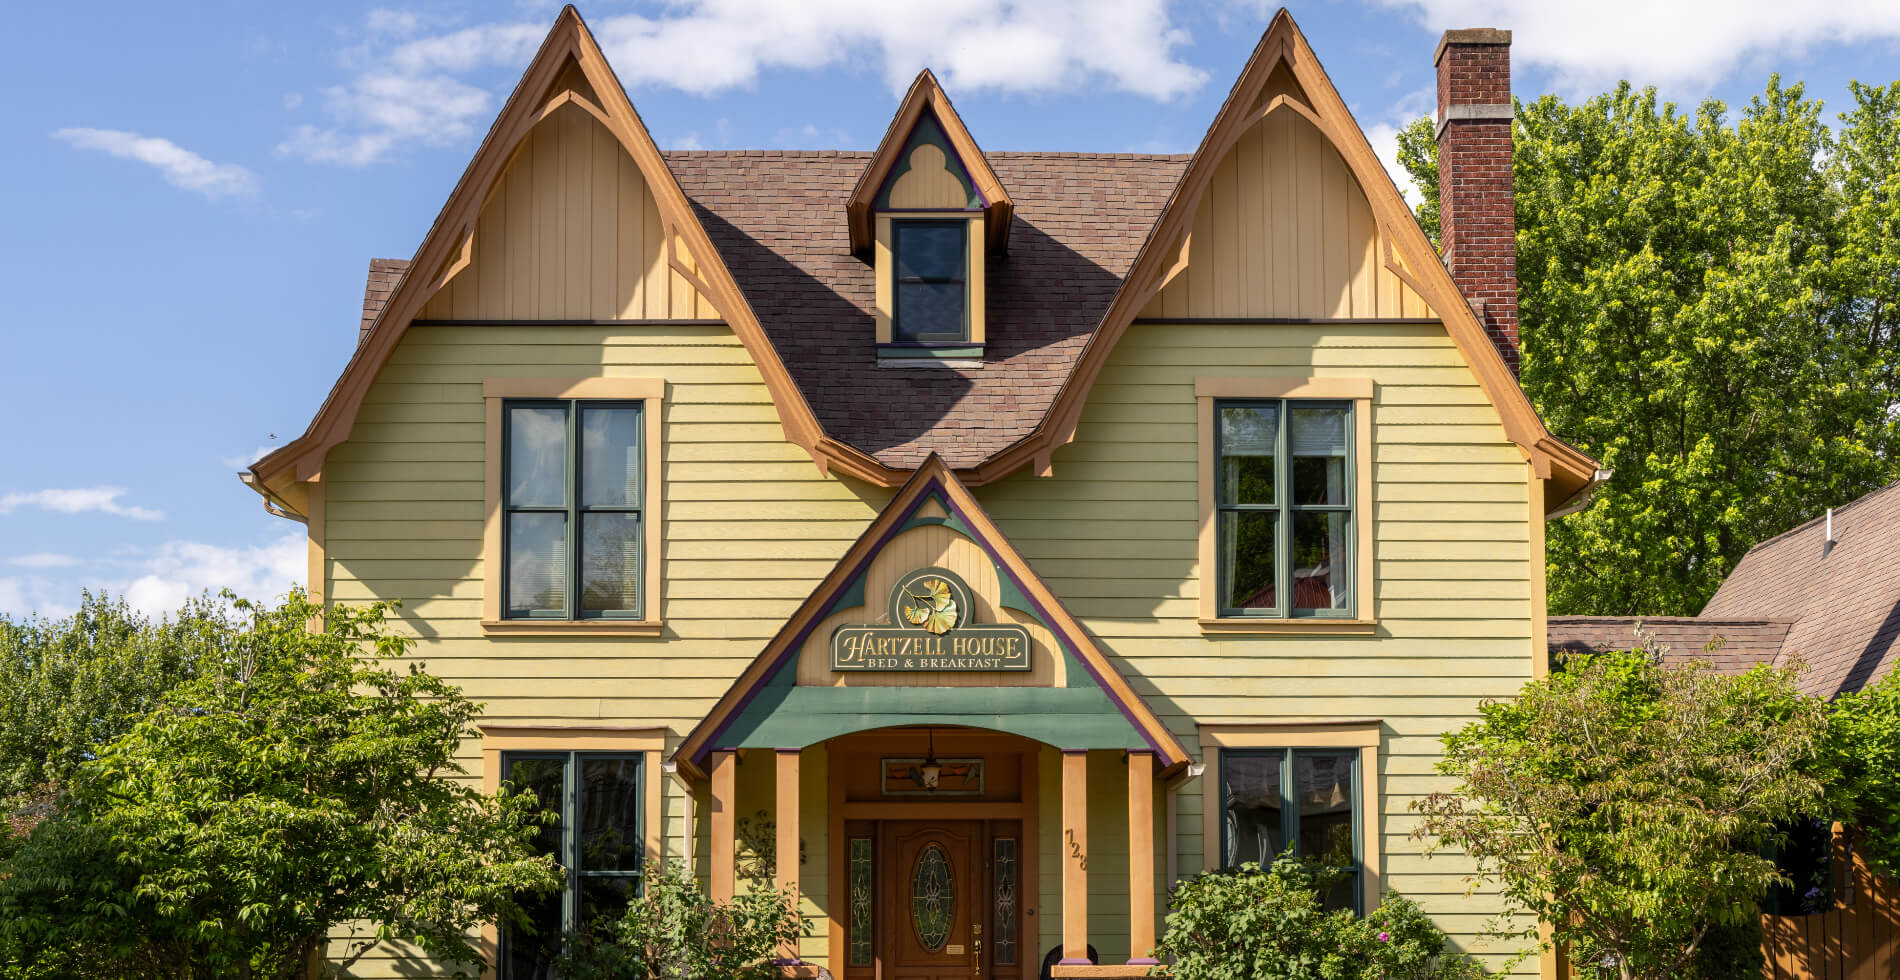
(192, 191)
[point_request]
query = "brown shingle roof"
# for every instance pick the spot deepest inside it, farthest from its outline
(777, 217)
(383, 276)
(1731, 646)
(1844, 598)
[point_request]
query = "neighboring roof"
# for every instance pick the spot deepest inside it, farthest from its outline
(1730, 646)
(1079, 219)
(1096, 699)
(1844, 598)
(383, 276)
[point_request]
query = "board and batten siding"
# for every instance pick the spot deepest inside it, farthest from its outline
(1113, 532)
(570, 232)
(750, 525)
(1284, 230)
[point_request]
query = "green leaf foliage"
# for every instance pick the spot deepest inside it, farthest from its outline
(1627, 805)
(294, 788)
(675, 932)
(70, 685)
(1712, 309)
(1254, 923)
(1864, 749)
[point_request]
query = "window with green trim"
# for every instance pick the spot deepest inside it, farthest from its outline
(1284, 507)
(597, 836)
(1305, 800)
(573, 476)
(932, 281)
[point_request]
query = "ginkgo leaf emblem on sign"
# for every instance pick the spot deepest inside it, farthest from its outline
(929, 604)
(930, 627)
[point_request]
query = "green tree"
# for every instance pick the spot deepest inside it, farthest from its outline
(1254, 923)
(295, 787)
(1628, 805)
(70, 685)
(1710, 309)
(673, 931)
(1864, 750)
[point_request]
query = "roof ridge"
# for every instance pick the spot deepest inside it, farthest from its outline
(1811, 522)
(854, 154)
(1731, 620)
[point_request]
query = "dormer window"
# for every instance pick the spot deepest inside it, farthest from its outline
(932, 276)
(927, 213)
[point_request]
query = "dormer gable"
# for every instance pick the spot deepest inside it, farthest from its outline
(926, 118)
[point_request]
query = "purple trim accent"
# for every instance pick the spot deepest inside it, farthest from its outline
(798, 641)
(950, 504)
(1144, 961)
(1074, 961)
(781, 961)
(1003, 566)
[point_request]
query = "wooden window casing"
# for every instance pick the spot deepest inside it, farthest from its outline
(578, 394)
(510, 742)
(1360, 737)
(1284, 616)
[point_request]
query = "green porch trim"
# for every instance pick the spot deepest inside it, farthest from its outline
(1065, 717)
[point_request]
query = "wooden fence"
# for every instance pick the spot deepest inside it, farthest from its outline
(1858, 938)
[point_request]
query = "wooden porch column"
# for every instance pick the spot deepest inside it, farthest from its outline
(1075, 857)
(725, 805)
(788, 840)
(1141, 858)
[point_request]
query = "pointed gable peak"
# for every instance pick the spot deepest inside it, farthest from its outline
(769, 706)
(927, 132)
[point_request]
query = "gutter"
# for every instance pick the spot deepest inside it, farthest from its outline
(274, 505)
(1583, 498)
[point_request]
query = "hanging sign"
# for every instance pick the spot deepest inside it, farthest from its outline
(930, 629)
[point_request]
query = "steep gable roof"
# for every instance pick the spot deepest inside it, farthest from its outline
(1091, 240)
(926, 98)
(1407, 253)
(1844, 596)
(568, 69)
(931, 480)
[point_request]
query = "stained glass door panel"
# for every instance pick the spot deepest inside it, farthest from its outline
(936, 873)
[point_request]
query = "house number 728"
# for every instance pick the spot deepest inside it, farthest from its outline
(1075, 850)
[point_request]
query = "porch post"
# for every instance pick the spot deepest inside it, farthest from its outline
(1075, 857)
(1141, 858)
(788, 840)
(725, 804)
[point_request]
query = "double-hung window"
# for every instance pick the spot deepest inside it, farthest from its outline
(596, 799)
(573, 508)
(1284, 499)
(932, 281)
(1305, 800)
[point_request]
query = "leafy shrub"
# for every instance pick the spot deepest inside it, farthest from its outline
(1254, 923)
(676, 932)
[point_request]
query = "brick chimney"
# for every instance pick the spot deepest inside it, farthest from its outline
(1477, 221)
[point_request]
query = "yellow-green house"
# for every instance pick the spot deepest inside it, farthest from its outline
(978, 543)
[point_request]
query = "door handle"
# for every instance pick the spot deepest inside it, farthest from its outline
(976, 948)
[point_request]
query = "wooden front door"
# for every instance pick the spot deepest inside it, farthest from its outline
(935, 885)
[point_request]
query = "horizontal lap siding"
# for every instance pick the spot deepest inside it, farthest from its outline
(750, 527)
(1113, 531)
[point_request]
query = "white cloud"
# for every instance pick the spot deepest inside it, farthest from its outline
(182, 569)
(1586, 45)
(243, 461)
(409, 90)
(78, 501)
(1383, 133)
(180, 167)
(43, 559)
(157, 581)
